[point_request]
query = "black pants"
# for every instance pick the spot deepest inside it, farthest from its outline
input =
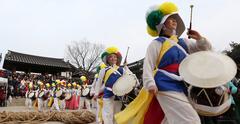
(2, 103)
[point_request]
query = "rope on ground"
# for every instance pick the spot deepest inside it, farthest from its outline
(77, 117)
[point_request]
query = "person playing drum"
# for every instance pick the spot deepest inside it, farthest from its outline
(99, 101)
(84, 100)
(28, 102)
(79, 95)
(47, 92)
(63, 89)
(92, 91)
(39, 99)
(163, 56)
(112, 58)
(55, 99)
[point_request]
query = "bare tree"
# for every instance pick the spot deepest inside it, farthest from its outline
(84, 55)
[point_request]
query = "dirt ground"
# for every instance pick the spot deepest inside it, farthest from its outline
(17, 105)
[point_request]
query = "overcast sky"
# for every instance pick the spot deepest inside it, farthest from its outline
(46, 27)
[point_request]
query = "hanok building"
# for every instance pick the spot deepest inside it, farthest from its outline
(15, 61)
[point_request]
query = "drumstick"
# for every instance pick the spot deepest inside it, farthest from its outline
(190, 26)
(125, 61)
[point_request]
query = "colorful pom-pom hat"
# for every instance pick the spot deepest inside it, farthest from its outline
(83, 78)
(69, 85)
(158, 14)
(101, 66)
(47, 85)
(111, 50)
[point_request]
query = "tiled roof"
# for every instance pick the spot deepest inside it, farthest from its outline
(12, 56)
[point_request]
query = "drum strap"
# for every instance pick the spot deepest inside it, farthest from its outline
(109, 72)
(171, 41)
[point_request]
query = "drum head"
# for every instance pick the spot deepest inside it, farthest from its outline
(207, 69)
(124, 84)
(85, 91)
(31, 94)
(68, 96)
(41, 94)
(59, 93)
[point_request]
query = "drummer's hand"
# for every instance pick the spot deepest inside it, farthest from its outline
(92, 94)
(153, 89)
(194, 35)
(95, 97)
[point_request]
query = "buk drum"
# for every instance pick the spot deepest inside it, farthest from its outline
(86, 93)
(60, 94)
(209, 101)
(68, 96)
(43, 95)
(124, 85)
(32, 95)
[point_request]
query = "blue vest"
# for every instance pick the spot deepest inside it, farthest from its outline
(171, 58)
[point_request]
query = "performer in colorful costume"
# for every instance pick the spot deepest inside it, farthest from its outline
(48, 90)
(163, 99)
(62, 101)
(85, 100)
(55, 99)
(99, 100)
(109, 75)
(68, 90)
(40, 100)
(74, 100)
(28, 102)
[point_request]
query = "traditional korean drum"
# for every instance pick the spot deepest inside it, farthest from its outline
(60, 94)
(32, 95)
(68, 96)
(86, 91)
(124, 84)
(209, 101)
(207, 73)
(44, 95)
(41, 94)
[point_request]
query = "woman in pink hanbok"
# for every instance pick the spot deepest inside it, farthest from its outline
(74, 100)
(69, 90)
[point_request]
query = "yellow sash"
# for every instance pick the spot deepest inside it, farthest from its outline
(109, 72)
(135, 111)
(100, 103)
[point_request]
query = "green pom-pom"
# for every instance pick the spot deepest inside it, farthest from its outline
(154, 18)
(151, 9)
(104, 54)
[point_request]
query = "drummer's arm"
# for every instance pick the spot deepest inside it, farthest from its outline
(149, 64)
(93, 86)
(26, 94)
(199, 45)
(99, 85)
(37, 92)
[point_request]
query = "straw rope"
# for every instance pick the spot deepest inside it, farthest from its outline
(79, 117)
